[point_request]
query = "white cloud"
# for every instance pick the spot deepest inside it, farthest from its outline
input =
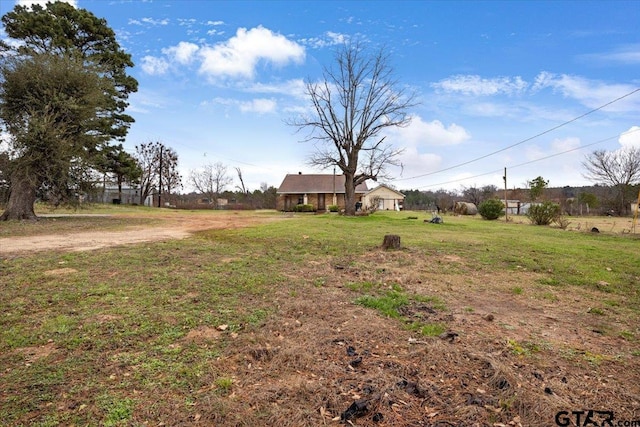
(29, 3)
(630, 138)
(260, 106)
(239, 56)
(415, 163)
(626, 55)
(296, 88)
(155, 22)
(149, 22)
(535, 152)
(329, 39)
(183, 52)
(186, 22)
(257, 105)
(557, 146)
(591, 93)
(219, 101)
(145, 101)
(433, 133)
(489, 109)
(564, 144)
(478, 86)
(154, 66)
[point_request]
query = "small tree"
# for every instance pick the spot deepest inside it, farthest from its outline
(544, 213)
(122, 166)
(211, 181)
(472, 194)
(373, 204)
(445, 200)
(477, 195)
(588, 199)
(491, 209)
(536, 188)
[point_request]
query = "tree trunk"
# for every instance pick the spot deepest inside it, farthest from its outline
(391, 241)
(349, 195)
(22, 197)
(120, 188)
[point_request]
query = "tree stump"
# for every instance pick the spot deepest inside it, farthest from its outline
(391, 241)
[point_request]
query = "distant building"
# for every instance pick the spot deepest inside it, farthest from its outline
(516, 207)
(383, 198)
(128, 196)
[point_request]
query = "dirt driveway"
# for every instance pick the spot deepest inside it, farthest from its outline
(174, 225)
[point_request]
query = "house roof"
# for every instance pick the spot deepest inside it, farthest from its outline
(388, 188)
(315, 183)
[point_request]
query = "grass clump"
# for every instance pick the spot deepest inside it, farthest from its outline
(387, 304)
(397, 304)
(224, 384)
(117, 410)
(431, 329)
(522, 349)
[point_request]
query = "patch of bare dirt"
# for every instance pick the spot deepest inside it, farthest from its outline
(33, 354)
(176, 225)
(203, 333)
(60, 271)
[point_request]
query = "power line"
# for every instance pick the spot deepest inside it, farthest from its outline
(524, 140)
(531, 161)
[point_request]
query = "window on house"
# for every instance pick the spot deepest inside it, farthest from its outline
(300, 200)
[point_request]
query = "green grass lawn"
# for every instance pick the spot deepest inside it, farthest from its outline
(103, 337)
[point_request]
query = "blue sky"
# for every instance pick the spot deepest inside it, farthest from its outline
(219, 79)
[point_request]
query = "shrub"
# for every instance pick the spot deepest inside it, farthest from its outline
(491, 209)
(303, 208)
(544, 213)
(334, 208)
(562, 222)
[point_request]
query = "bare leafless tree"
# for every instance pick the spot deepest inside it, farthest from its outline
(241, 187)
(357, 99)
(619, 169)
(211, 181)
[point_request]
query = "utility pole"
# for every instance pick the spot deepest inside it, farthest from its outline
(635, 215)
(160, 180)
(335, 201)
(506, 202)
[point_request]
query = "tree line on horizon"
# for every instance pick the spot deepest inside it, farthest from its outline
(582, 200)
